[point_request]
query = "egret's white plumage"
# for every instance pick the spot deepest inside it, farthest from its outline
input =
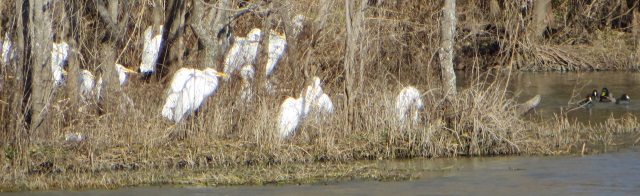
(151, 49)
(73, 137)
(408, 101)
(292, 111)
(314, 90)
(7, 51)
(98, 88)
(170, 103)
(243, 51)
(235, 55)
(297, 24)
(59, 55)
(277, 44)
(122, 73)
(324, 104)
(247, 74)
(189, 88)
(87, 82)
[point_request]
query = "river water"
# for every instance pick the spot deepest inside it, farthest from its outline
(613, 173)
(616, 172)
(558, 89)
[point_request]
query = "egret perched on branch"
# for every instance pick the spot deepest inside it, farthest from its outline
(59, 55)
(188, 89)
(277, 44)
(151, 49)
(122, 73)
(408, 101)
(243, 51)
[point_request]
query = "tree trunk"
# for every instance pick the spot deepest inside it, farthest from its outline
(204, 25)
(541, 19)
(41, 84)
(73, 64)
(111, 91)
(636, 32)
(494, 10)
(349, 60)
(354, 61)
(19, 116)
(175, 37)
(446, 51)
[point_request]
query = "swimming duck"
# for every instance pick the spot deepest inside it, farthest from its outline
(605, 96)
(624, 99)
(587, 102)
(594, 94)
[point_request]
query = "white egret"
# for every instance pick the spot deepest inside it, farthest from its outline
(189, 88)
(277, 44)
(73, 137)
(408, 101)
(87, 82)
(292, 111)
(7, 51)
(235, 55)
(151, 49)
(247, 74)
(98, 88)
(324, 104)
(122, 73)
(59, 55)
(297, 24)
(243, 51)
(314, 90)
(321, 103)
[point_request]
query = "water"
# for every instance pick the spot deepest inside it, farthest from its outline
(613, 173)
(557, 89)
(616, 173)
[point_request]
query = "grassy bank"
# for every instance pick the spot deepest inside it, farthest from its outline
(124, 150)
(228, 142)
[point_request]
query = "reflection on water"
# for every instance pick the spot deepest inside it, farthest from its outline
(616, 173)
(557, 89)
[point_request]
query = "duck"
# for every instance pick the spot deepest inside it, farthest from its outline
(605, 96)
(587, 102)
(624, 99)
(594, 94)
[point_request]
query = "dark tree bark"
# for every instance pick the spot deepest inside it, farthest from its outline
(175, 28)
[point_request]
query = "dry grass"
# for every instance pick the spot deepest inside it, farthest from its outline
(226, 142)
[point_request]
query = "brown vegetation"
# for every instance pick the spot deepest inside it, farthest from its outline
(128, 142)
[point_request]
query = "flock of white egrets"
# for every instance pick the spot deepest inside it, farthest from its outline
(190, 87)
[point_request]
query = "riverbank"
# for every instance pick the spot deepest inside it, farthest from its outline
(122, 151)
(258, 174)
(61, 136)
